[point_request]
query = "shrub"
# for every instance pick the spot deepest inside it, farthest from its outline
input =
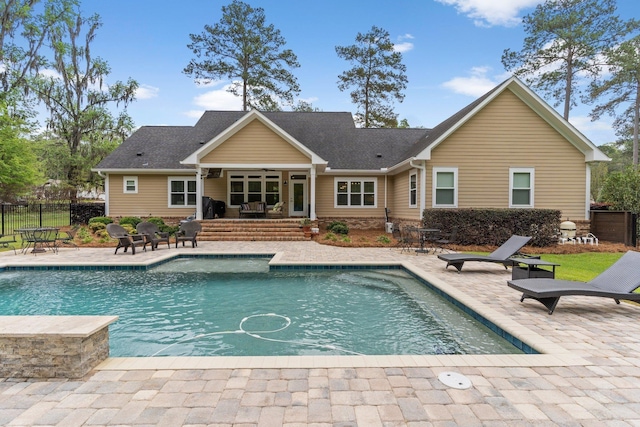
(156, 220)
(130, 220)
(96, 226)
(84, 235)
(494, 226)
(338, 227)
(330, 236)
(101, 219)
(383, 239)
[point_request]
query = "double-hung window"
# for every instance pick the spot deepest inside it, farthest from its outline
(130, 184)
(355, 192)
(521, 185)
(182, 192)
(413, 190)
(445, 187)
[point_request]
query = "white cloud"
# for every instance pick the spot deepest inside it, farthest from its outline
(50, 73)
(147, 92)
(487, 13)
(599, 132)
(403, 46)
(218, 99)
(476, 85)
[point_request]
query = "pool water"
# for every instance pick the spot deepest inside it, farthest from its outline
(237, 307)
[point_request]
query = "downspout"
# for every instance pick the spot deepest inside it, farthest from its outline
(423, 183)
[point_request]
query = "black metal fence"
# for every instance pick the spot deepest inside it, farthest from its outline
(13, 217)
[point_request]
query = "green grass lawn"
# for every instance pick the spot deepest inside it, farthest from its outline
(582, 267)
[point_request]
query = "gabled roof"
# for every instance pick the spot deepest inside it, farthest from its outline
(329, 138)
(423, 148)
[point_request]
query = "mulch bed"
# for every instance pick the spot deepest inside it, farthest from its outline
(369, 239)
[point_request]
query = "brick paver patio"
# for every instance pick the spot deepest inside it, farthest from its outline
(588, 376)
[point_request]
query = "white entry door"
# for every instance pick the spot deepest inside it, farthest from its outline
(298, 196)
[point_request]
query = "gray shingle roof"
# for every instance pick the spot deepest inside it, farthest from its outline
(331, 135)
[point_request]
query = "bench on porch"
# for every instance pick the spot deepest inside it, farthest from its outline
(254, 209)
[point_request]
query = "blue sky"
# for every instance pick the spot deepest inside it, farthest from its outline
(452, 50)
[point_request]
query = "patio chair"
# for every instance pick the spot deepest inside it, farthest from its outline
(618, 282)
(68, 237)
(444, 241)
(410, 238)
(500, 255)
(126, 240)
(153, 234)
(8, 241)
(188, 233)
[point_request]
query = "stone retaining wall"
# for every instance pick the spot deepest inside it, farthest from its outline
(52, 346)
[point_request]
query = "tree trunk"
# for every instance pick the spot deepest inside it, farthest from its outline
(636, 123)
(567, 87)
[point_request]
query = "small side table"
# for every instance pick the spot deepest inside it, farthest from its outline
(529, 268)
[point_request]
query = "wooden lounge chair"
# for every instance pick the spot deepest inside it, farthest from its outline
(188, 233)
(501, 255)
(126, 240)
(618, 282)
(153, 234)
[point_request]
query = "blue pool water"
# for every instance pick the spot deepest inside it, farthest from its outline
(237, 307)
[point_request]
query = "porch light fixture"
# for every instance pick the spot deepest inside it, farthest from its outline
(284, 182)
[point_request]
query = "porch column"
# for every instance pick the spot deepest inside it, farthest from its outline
(312, 193)
(199, 193)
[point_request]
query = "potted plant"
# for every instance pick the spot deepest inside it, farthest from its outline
(305, 223)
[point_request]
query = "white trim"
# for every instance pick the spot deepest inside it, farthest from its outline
(185, 179)
(413, 174)
(208, 146)
(434, 179)
(245, 189)
(349, 180)
(124, 184)
(532, 186)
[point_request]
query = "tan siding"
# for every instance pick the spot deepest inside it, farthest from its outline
(507, 133)
(152, 198)
(255, 144)
(399, 193)
(325, 201)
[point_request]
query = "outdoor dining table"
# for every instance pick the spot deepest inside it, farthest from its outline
(40, 238)
(426, 234)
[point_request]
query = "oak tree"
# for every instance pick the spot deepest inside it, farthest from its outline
(78, 98)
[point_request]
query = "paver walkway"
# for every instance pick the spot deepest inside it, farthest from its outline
(590, 378)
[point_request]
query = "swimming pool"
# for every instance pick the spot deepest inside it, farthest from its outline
(239, 307)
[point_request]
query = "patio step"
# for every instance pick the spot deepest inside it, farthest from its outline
(251, 230)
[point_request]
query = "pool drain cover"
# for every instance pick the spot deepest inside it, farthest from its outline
(454, 380)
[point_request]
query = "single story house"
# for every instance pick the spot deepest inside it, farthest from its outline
(507, 149)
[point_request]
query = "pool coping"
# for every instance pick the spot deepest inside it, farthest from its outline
(551, 354)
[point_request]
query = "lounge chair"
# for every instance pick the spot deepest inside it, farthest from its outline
(126, 240)
(618, 282)
(188, 233)
(68, 237)
(501, 255)
(153, 233)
